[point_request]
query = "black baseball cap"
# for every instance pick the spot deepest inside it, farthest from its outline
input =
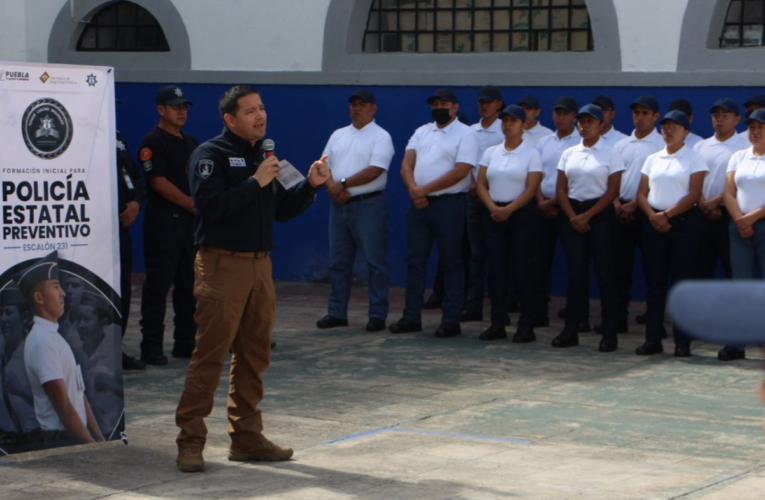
(364, 95)
(756, 99)
(530, 101)
(758, 115)
(683, 105)
(592, 110)
(566, 102)
(603, 102)
(726, 104)
(172, 95)
(515, 111)
(646, 101)
(489, 93)
(677, 116)
(443, 94)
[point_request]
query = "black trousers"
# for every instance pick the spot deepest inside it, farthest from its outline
(627, 239)
(598, 243)
(714, 246)
(671, 255)
(170, 252)
(439, 287)
(510, 250)
(126, 272)
(547, 236)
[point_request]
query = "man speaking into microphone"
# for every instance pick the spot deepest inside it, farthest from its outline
(237, 196)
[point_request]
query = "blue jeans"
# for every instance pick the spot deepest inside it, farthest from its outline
(477, 275)
(745, 253)
(443, 221)
(363, 226)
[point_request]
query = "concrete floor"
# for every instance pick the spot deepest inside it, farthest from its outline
(378, 416)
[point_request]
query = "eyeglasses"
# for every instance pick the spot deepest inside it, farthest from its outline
(724, 116)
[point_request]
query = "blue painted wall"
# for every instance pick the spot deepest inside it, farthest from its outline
(301, 119)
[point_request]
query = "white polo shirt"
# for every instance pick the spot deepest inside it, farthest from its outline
(48, 357)
(750, 179)
(588, 169)
(488, 137)
(611, 137)
(507, 171)
(351, 150)
(692, 140)
(535, 134)
(745, 135)
(717, 155)
(634, 151)
(439, 150)
(669, 176)
(550, 149)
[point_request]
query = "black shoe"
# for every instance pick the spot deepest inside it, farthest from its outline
(731, 353)
(433, 302)
(154, 358)
(682, 351)
(405, 326)
(330, 322)
(524, 335)
(542, 321)
(567, 338)
(512, 307)
(640, 319)
(494, 332)
(583, 327)
(182, 352)
(562, 313)
(649, 347)
(446, 330)
(620, 328)
(471, 316)
(375, 325)
(130, 363)
(608, 344)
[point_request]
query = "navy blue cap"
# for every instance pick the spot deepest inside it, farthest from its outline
(172, 95)
(566, 102)
(12, 296)
(727, 104)
(530, 101)
(676, 116)
(364, 95)
(515, 111)
(489, 93)
(683, 105)
(592, 110)
(756, 99)
(41, 270)
(603, 102)
(443, 94)
(758, 115)
(646, 101)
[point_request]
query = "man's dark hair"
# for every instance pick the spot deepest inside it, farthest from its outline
(229, 103)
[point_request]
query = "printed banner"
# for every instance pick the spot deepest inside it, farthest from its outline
(59, 194)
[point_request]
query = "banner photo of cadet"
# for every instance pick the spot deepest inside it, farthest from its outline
(60, 352)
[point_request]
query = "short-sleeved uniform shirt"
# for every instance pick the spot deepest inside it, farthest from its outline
(550, 149)
(634, 152)
(717, 155)
(669, 176)
(508, 171)
(588, 169)
(48, 357)
(745, 135)
(750, 179)
(487, 137)
(692, 139)
(439, 150)
(535, 134)
(161, 154)
(351, 150)
(612, 137)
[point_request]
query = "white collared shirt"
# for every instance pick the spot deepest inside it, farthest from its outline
(439, 150)
(692, 139)
(717, 156)
(634, 152)
(613, 136)
(535, 134)
(745, 135)
(669, 176)
(351, 150)
(48, 357)
(588, 169)
(550, 149)
(487, 137)
(507, 171)
(750, 179)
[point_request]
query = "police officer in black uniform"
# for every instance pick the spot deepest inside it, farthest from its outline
(130, 196)
(168, 230)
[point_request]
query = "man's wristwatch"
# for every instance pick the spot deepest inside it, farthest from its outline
(344, 182)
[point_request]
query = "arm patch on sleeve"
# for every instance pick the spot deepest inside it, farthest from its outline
(205, 168)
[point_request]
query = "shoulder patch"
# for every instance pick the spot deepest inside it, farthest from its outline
(205, 168)
(146, 154)
(237, 162)
(147, 166)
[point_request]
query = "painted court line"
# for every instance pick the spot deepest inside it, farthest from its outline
(360, 435)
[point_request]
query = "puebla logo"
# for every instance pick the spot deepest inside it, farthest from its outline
(47, 128)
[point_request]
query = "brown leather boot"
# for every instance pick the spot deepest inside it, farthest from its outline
(190, 459)
(265, 451)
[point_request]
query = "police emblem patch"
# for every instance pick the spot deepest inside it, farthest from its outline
(47, 128)
(205, 168)
(146, 154)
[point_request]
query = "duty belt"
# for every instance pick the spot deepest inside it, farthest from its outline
(361, 197)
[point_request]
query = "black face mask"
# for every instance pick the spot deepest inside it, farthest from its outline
(441, 115)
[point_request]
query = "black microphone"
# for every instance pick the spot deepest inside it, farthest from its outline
(268, 150)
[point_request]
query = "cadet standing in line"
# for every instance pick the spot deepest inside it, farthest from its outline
(168, 230)
(359, 156)
(757, 101)
(686, 107)
(533, 131)
(610, 135)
